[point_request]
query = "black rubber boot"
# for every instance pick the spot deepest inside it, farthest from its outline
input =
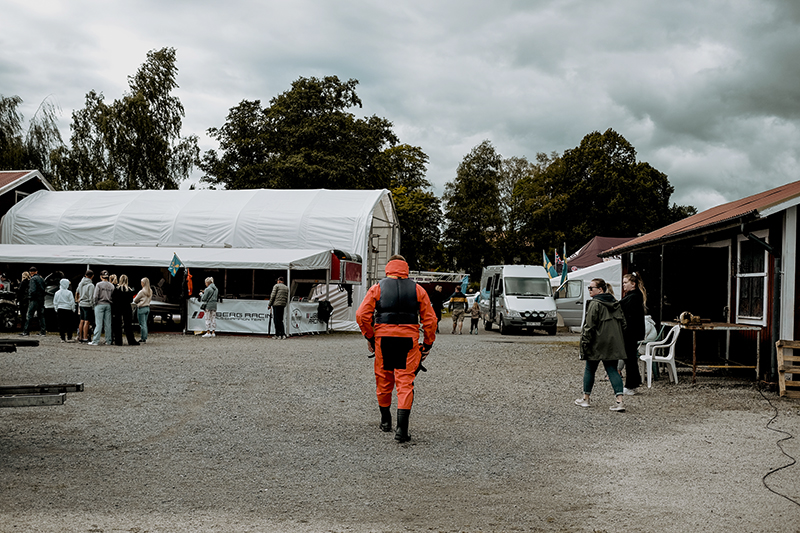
(386, 418)
(401, 435)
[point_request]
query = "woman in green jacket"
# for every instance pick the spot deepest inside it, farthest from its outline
(602, 340)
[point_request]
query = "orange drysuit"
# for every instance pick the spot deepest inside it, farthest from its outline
(396, 344)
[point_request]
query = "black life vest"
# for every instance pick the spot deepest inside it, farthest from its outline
(398, 303)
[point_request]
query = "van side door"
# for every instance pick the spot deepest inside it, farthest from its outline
(569, 302)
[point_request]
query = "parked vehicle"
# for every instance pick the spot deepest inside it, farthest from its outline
(572, 296)
(517, 297)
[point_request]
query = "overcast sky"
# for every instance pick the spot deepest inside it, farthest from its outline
(708, 92)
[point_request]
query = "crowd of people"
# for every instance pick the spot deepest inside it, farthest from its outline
(92, 311)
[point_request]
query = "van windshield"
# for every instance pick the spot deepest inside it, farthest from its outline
(528, 287)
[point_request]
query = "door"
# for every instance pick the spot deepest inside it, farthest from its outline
(569, 302)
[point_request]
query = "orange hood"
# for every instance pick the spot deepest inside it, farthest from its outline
(397, 269)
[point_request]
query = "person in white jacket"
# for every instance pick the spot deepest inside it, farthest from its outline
(64, 304)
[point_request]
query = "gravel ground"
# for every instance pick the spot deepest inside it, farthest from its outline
(244, 433)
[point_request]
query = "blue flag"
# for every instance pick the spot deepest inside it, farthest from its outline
(175, 264)
(465, 284)
(551, 270)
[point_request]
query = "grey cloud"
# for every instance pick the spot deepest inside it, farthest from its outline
(707, 92)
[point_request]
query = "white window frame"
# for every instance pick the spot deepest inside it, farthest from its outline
(757, 321)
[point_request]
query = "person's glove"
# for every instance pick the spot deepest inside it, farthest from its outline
(425, 350)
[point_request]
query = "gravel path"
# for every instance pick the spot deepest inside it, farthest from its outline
(243, 433)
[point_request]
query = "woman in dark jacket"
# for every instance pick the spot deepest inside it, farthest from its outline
(634, 306)
(602, 340)
(121, 311)
(22, 296)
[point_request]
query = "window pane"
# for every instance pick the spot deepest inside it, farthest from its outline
(751, 258)
(751, 297)
(574, 288)
(527, 286)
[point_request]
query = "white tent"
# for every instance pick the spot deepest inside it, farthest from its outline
(229, 229)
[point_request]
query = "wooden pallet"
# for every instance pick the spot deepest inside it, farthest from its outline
(788, 364)
(36, 395)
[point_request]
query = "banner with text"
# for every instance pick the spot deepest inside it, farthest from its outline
(252, 316)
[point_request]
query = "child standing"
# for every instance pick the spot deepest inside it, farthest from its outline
(64, 304)
(474, 315)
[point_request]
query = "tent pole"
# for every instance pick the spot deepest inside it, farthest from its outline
(661, 299)
(289, 302)
(328, 296)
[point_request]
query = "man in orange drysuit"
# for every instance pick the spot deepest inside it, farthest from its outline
(389, 318)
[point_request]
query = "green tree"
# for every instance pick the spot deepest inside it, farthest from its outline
(305, 139)
(132, 143)
(473, 218)
(30, 151)
(514, 245)
(597, 188)
(418, 209)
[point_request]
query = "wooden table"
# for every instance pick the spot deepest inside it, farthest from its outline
(719, 326)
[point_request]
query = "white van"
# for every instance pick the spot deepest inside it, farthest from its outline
(517, 297)
(572, 296)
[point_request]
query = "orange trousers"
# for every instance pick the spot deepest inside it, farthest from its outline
(396, 362)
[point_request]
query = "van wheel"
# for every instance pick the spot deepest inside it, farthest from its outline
(504, 330)
(487, 325)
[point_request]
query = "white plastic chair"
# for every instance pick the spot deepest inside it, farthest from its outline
(654, 353)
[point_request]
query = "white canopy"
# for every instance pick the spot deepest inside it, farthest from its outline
(253, 218)
(264, 228)
(161, 257)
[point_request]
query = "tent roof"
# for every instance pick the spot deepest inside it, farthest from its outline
(253, 218)
(162, 256)
(588, 254)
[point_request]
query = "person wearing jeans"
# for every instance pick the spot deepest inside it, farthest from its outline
(36, 291)
(142, 301)
(102, 309)
(602, 340)
(208, 302)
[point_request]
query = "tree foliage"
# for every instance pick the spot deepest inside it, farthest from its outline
(305, 139)
(473, 217)
(418, 209)
(132, 143)
(31, 150)
(597, 188)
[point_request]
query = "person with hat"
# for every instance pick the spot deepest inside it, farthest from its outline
(389, 318)
(458, 308)
(277, 302)
(36, 293)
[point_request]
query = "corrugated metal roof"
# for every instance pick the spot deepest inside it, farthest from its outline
(7, 177)
(746, 208)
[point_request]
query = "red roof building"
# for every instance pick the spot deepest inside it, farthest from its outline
(721, 265)
(17, 184)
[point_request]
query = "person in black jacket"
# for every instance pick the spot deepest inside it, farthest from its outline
(437, 300)
(22, 296)
(36, 292)
(634, 301)
(121, 312)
